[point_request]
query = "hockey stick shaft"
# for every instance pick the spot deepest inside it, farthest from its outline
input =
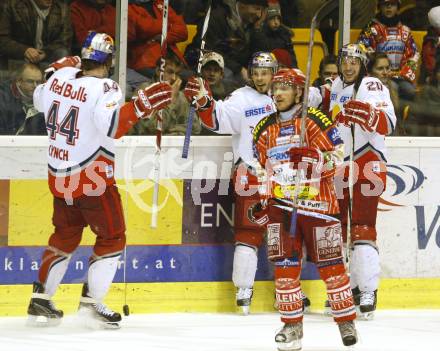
(350, 189)
(163, 52)
(323, 10)
(189, 124)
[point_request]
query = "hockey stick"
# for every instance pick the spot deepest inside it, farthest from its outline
(323, 10)
(189, 124)
(125, 308)
(350, 189)
(163, 52)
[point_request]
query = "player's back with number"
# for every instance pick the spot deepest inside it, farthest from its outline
(80, 113)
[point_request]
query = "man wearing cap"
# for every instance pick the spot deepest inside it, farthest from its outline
(213, 72)
(230, 34)
(274, 36)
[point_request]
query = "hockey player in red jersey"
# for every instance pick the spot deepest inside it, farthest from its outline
(362, 103)
(84, 112)
(278, 150)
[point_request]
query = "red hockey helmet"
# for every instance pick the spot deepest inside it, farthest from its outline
(290, 76)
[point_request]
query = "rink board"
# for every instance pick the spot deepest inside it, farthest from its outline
(185, 263)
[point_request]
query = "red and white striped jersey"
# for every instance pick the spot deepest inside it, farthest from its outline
(83, 117)
(272, 140)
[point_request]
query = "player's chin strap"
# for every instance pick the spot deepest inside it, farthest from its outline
(163, 52)
(189, 124)
(325, 8)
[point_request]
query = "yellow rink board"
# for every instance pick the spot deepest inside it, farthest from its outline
(218, 296)
(30, 213)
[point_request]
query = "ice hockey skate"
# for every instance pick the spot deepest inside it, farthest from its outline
(367, 305)
(97, 315)
(244, 298)
(42, 311)
(289, 337)
(348, 333)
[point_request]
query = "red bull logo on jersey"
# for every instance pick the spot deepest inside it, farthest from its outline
(65, 89)
(258, 111)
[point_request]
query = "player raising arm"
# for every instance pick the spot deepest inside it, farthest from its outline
(84, 112)
(362, 103)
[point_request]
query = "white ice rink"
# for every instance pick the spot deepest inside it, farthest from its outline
(391, 330)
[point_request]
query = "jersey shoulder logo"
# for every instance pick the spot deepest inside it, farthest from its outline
(320, 118)
(262, 125)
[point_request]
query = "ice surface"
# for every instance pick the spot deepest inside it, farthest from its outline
(391, 330)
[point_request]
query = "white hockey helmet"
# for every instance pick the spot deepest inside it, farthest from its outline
(98, 47)
(263, 59)
(353, 50)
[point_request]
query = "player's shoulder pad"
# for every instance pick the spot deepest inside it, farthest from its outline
(320, 118)
(262, 126)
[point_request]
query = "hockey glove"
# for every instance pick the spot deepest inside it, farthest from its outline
(308, 159)
(408, 74)
(152, 99)
(361, 113)
(258, 214)
(68, 61)
(198, 93)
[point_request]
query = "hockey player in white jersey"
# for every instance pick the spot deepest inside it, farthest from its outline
(84, 112)
(362, 103)
(238, 115)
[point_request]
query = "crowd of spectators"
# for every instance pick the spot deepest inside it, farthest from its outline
(34, 33)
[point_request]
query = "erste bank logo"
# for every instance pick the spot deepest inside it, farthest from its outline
(258, 111)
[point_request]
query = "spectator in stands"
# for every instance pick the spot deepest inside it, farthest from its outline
(16, 103)
(175, 116)
(426, 108)
(386, 33)
(100, 16)
(431, 46)
(35, 30)
(213, 71)
(273, 34)
(144, 52)
(328, 69)
(93, 15)
(229, 34)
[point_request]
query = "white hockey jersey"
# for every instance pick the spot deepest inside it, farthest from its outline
(369, 146)
(240, 113)
(82, 117)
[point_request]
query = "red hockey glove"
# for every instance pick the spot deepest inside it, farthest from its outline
(68, 61)
(407, 73)
(309, 159)
(151, 99)
(198, 93)
(258, 214)
(361, 113)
